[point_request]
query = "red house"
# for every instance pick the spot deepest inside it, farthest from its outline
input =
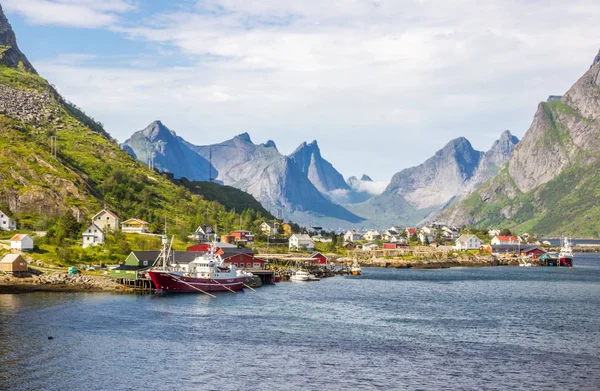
(244, 261)
(317, 259)
(243, 236)
(535, 252)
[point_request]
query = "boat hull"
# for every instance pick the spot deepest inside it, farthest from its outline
(167, 282)
(566, 261)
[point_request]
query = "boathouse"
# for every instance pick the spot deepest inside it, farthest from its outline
(317, 259)
(13, 263)
(535, 252)
(244, 261)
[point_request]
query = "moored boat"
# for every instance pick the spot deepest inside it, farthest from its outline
(565, 257)
(355, 270)
(299, 275)
(206, 273)
(276, 276)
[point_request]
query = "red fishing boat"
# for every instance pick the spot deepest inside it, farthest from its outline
(276, 276)
(206, 273)
(565, 257)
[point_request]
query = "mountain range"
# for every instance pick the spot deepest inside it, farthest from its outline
(309, 190)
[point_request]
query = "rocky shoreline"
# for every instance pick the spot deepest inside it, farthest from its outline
(60, 282)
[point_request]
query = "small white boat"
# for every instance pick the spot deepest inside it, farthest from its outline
(300, 275)
(355, 270)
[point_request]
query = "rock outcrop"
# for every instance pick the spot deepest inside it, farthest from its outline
(10, 55)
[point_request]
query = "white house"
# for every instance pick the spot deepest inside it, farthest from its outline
(425, 238)
(398, 240)
(203, 233)
(321, 239)
(498, 240)
(372, 235)
(352, 236)
(93, 236)
(427, 231)
(6, 223)
(21, 242)
(268, 228)
(468, 242)
(106, 220)
(389, 234)
(370, 246)
(301, 242)
(493, 232)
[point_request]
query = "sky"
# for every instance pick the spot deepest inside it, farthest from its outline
(381, 85)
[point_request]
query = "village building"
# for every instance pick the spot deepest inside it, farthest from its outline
(137, 262)
(389, 234)
(301, 242)
(352, 236)
(468, 242)
(349, 245)
(317, 259)
(396, 228)
(535, 252)
(244, 261)
(93, 236)
(268, 228)
(493, 232)
(135, 226)
(21, 242)
(6, 223)
(370, 246)
(13, 263)
(203, 233)
(393, 246)
(243, 236)
(106, 221)
(424, 238)
(497, 240)
(410, 232)
(372, 235)
(321, 239)
(428, 231)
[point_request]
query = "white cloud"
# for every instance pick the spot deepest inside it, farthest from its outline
(371, 187)
(72, 13)
(387, 81)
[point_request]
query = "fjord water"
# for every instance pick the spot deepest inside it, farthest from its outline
(469, 328)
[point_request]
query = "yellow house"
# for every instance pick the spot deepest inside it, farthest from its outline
(135, 226)
(287, 229)
(106, 221)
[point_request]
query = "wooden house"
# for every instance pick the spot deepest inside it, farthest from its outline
(135, 226)
(317, 259)
(243, 236)
(21, 242)
(93, 236)
(106, 220)
(468, 242)
(203, 233)
(268, 228)
(352, 236)
(7, 223)
(301, 242)
(244, 261)
(498, 240)
(13, 263)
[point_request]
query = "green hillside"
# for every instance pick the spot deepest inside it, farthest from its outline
(89, 171)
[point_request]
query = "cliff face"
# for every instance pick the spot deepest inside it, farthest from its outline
(554, 165)
(318, 170)
(10, 55)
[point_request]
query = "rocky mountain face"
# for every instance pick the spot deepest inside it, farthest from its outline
(164, 148)
(449, 175)
(549, 183)
(297, 184)
(10, 55)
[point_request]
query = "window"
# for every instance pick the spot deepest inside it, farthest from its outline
(145, 263)
(256, 264)
(241, 265)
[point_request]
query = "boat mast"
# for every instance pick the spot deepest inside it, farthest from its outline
(164, 251)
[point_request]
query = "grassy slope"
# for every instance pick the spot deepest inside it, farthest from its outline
(98, 170)
(567, 204)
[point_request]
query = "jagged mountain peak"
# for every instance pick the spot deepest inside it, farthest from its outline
(270, 144)
(245, 137)
(10, 55)
(366, 178)
(157, 131)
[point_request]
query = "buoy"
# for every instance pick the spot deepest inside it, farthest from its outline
(50, 337)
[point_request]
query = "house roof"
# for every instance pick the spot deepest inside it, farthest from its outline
(242, 231)
(270, 224)
(205, 229)
(10, 258)
(175, 256)
(466, 237)
(135, 220)
(411, 230)
(302, 237)
(507, 239)
(227, 256)
(114, 216)
(19, 237)
(93, 225)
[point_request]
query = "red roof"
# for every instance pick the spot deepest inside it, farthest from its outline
(18, 237)
(508, 239)
(114, 216)
(411, 230)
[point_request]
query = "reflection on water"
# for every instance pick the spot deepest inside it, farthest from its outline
(470, 328)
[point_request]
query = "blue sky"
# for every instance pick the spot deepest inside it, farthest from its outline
(380, 84)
